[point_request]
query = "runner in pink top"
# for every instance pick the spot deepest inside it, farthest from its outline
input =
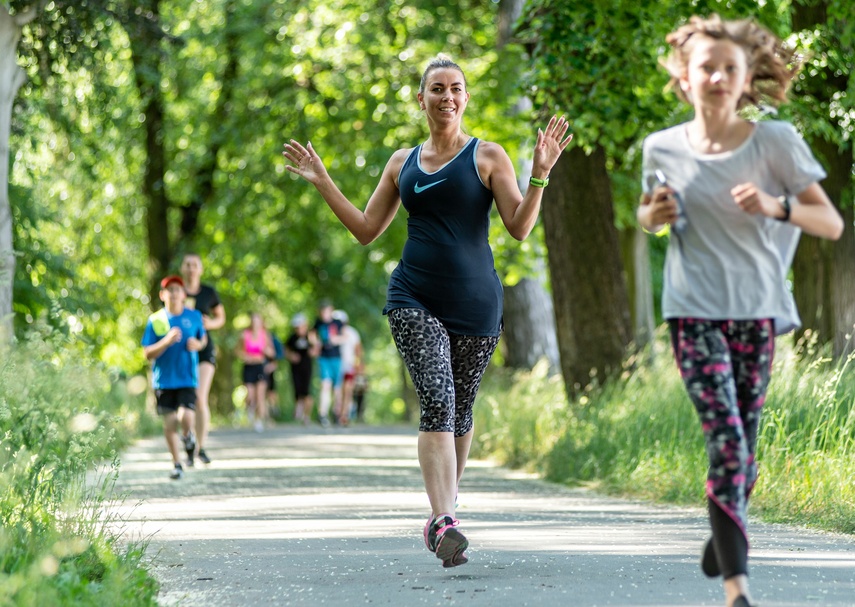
(255, 348)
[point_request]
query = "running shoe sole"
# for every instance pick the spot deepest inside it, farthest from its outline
(450, 546)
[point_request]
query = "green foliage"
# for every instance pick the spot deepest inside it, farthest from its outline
(639, 434)
(607, 53)
(343, 74)
(61, 419)
(520, 416)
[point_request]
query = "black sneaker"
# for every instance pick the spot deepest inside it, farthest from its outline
(177, 473)
(189, 447)
(203, 457)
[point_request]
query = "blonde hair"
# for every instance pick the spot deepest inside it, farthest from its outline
(772, 65)
(439, 62)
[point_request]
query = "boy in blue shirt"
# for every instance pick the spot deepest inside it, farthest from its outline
(172, 340)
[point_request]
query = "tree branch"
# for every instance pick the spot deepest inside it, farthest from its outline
(28, 14)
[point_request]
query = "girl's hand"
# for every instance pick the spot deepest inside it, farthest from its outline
(662, 206)
(305, 162)
(755, 201)
(550, 144)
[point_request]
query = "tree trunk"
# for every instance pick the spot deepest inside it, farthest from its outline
(146, 50)
(509, 12)
(811, 287)
(205, 191)
(11, 79)
(639, 283)
(529, 333)
(529, 318)
(223, 386)
(838, 184)
(588, 289)
(825, 273)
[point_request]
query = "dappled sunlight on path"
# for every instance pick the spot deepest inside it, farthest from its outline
(300, 516)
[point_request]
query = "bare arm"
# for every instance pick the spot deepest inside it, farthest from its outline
(217, 318)
(314, 344)
(197, 344)
(365, 225)
(518, 212)
(159, 347)
(815, 214)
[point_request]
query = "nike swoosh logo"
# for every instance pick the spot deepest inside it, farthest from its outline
(419, 189)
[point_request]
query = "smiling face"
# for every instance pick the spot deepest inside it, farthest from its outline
(716, 74)
(444, 97)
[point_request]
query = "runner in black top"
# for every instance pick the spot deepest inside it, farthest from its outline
(299, 352)
(203, 298)
(444, 342)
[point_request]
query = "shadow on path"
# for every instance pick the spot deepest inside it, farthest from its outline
(300, 516)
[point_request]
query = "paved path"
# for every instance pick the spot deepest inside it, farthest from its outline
(314, 517)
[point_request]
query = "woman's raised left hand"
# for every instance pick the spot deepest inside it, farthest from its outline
(550, 144)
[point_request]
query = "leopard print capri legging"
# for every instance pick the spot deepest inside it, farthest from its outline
(446, 368)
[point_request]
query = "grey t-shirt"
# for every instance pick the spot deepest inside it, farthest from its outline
(727, 264)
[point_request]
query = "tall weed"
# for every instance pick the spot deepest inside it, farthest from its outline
(58, 419)
(638, 434)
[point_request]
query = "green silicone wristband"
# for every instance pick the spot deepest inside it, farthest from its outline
(539, 183)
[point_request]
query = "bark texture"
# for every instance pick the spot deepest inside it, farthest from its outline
(588, 288)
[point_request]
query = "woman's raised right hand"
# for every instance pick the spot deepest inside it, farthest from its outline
(304, 162)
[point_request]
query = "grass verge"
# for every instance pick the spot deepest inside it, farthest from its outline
(60, 416)
(638, 434)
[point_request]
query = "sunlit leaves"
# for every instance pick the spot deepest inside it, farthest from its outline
(343, 74)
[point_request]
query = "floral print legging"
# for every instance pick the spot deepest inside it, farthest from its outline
(725, 366)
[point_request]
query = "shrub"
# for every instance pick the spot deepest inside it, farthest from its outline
(638, 434)
(58, 417)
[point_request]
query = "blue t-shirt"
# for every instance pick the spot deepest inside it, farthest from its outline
(327, 331)
(277, 347)
(447, 264)
(176, 367)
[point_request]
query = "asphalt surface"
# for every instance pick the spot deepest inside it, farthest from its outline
(298, 516)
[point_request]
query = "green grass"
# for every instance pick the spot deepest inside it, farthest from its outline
(60, 417)
(638, 435)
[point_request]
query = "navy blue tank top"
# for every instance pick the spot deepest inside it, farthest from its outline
(447, 264)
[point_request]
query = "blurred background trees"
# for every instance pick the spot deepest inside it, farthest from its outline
(146, 129)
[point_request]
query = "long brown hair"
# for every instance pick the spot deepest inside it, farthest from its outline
(771, 64)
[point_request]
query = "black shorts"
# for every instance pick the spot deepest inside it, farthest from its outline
(208, 354)
(302, 381)
(168, 401)
(253, 374)
(271, 382)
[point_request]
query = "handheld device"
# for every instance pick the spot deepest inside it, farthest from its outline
(680, 224)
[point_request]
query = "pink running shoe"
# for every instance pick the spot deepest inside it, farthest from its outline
(443, 538)
(428, 542)
(427, 534)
